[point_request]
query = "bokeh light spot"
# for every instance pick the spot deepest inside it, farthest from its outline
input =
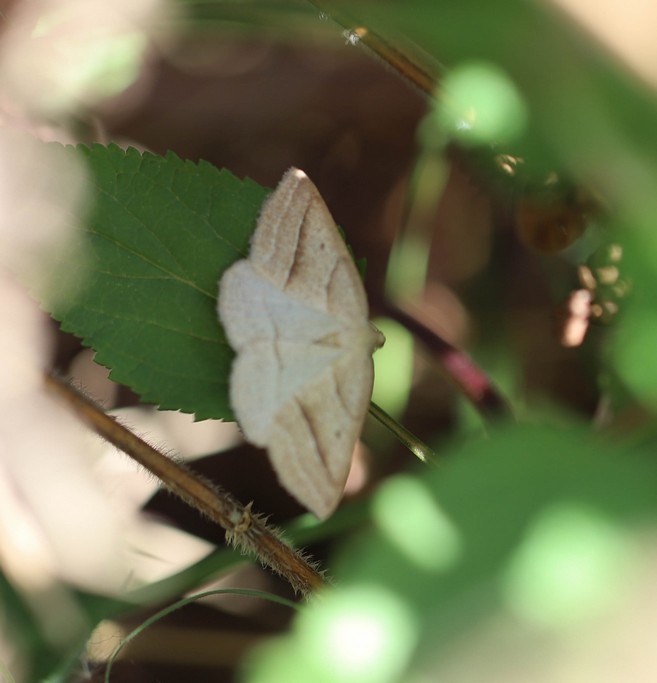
(479, 104)
(364, 634)
(411, 519)
(569, 568)
(394, 367)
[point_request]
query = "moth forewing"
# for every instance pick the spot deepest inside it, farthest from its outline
(295, 312)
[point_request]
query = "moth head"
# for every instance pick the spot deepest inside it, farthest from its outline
(378, 340)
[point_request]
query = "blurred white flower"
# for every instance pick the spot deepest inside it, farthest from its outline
(42, 190)
(50, 504)
(56, 57)
(57, 525)
(60, 55)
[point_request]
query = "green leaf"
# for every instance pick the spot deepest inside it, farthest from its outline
(160, 233)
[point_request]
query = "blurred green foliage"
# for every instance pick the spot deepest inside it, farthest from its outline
(541, 528)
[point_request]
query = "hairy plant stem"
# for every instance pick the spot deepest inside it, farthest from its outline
(244, 528)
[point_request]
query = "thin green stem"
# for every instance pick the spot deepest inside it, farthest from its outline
(186, 601)
(408, 439)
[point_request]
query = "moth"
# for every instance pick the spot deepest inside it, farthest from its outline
(296, 314)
